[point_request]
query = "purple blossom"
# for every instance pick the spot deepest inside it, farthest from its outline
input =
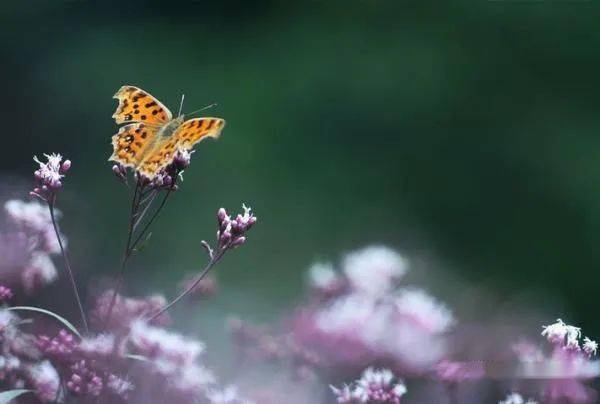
(60, 347)
(232, 232)
(84, 380)
(5, 294)
(49, 175)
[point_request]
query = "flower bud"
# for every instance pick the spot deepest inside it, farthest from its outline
(225, 237)
(65, 166)
(238, 241)
(221, 215)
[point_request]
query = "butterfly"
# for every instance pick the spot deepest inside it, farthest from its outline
(151, 138)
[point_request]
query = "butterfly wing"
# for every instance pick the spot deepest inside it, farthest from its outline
(132, 142)
(136, 105)
(185, 137)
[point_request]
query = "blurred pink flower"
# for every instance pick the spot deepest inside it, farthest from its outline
(374, 269)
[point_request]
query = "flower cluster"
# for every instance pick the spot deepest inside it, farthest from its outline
(27, 245)
(374, 386)
(358, 316)
(160, 364)
(567, 337)
(126, 310)
(49, 176)
(565, 369)
(232, 232)
(22, 365)
(166, 178)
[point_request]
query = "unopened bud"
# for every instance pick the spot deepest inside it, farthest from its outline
(65, 166)
(238, 241)
(221, 215)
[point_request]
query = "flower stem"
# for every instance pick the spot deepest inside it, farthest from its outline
(147, 226)
(134, 222)
(213, 261)
(134, 208)
(67, 263)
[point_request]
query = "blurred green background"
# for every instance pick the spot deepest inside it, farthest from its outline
(463, 133)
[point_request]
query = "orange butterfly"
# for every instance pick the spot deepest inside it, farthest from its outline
(151, 138)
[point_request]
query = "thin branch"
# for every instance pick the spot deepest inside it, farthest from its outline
(147, 226)
(67, 263)
(134, 208)
(204, 272)
(152, 197)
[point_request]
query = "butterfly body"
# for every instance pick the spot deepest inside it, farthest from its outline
(170, 127)
(151, 137)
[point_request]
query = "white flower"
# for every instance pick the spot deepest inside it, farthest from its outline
(163, 344)
(354, 314)
(322, 276)
(50, 171)
(424, 310)
(5, 319)
(373, 386)
(192, 378)
(229, 395)
(590, 347)
(557, 332)
(9, 362)
(34, 218)
(119, 386)
(373, 270)
(45, 379)
(343, 395)
(516, 398)
(39, 271)
(102, 345)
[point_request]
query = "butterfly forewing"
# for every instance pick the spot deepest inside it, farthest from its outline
(185, 137)
(136, 105)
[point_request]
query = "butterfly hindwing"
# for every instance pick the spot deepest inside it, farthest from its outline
(136, 105)
(184, 137)
(132, 142)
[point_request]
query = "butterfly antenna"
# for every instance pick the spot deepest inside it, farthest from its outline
(214, 104)
(181, 104)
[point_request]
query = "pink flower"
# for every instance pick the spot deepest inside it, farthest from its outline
(374, 386)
